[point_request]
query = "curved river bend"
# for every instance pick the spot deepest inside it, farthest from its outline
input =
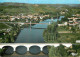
(33, 35)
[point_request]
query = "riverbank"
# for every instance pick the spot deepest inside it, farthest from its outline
(17, 35)
(11, 37)
(26, 54)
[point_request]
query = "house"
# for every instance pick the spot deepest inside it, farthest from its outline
(64, 24)
(12, 18)
(26, 20)
(62, 12)
(73, 21)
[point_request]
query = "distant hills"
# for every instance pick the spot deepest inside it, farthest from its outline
(55, 5)
(16, 8)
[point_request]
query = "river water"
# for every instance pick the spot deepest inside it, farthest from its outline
(32, 35)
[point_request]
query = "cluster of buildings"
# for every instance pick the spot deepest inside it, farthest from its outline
(72, 21)
(31, 17)
(27, 17)
(36, 17)
(64, 12)
(64, 24)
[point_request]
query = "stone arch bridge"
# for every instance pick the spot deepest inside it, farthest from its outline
(28, 45)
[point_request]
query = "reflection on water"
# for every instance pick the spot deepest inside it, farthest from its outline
(30, 36)
(35, 50)
(45, 50)
(21, 50)
(9, 51)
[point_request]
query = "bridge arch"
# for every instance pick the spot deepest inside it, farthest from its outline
(35, 48)
(45, 49)
(7, 51)
(6, 46)
(9, 46)
(34, 45)
(67, 45)
(21, 49)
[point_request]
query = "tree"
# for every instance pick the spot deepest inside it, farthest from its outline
(53, 52)
(76, 47)
(73, 29)
(62, 51)
(58, 52)
(51, 33)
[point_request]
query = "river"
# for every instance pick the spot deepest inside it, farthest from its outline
(32, 35)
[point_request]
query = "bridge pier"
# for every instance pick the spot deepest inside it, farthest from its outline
(30, 25)
(14, 48)
(27, 48)
(41, 48)
(56, 45)
(1, 47)
(67, 45)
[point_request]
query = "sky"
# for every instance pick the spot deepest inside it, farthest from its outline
(44, 1)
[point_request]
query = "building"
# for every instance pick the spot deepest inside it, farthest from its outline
(62, 12)
(12, 18)
(74, 21)
(64, 24)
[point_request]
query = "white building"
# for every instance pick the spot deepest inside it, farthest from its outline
(64, 24)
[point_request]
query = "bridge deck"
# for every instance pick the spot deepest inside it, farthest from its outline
(28, 45)
(22, 23)
(34, 43)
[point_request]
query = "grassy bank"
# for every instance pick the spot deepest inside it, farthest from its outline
(3, 26)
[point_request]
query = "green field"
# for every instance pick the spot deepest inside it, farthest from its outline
(64, 28)
(69, 37)
(3, 26)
